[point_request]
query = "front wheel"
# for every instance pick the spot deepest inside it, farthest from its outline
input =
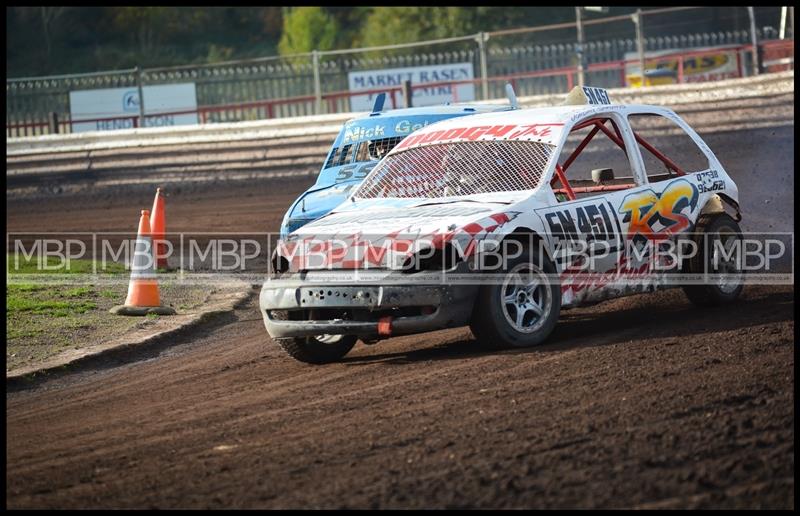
(319, 349)
(522, 307)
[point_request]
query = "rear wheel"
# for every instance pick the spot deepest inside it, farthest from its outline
(319, 349)
(522, 308)
(716, 236)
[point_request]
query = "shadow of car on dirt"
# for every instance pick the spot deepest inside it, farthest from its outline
(663, 315)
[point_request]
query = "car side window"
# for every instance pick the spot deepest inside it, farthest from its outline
(340, 156)
(667, 151)
(593, 161)
(362, 154)
(374, 150)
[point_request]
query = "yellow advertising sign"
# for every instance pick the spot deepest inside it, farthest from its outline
(697, 68)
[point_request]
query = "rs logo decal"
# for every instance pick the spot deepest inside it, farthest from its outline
(644, 209)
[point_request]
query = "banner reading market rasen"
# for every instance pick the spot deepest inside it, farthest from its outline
(394, 78)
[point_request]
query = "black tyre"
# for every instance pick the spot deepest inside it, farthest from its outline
(522, 308)
(715, 236)
(320, 349)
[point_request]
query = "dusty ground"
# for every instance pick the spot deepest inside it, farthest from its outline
(639, 402)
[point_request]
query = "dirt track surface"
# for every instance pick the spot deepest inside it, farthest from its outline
(638, 402)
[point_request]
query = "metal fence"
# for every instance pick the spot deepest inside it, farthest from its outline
(536, 60)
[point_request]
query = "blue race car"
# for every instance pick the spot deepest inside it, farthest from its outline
(361, 143)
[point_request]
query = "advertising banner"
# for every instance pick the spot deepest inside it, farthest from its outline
(418, 75)
(91, 105)
(722, 64)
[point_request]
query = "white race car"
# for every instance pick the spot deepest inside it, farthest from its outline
(501, 220)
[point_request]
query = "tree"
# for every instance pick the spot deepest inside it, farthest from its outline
(350, 21)
(146, 26)
(390, 25)
(393, 25)
(50, 16)
(306, 29)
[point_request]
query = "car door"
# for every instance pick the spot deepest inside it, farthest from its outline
(608, 222)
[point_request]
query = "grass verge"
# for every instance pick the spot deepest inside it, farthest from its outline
(45, 318)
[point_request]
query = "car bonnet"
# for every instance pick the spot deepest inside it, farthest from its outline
(383, 236)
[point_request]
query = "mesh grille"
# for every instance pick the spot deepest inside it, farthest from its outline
(377, 149)
(457, 169)
(367, 151)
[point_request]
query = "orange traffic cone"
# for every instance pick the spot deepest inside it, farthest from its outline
(158, 225)
(143, 295)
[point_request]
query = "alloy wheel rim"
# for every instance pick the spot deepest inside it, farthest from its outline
(526, 298)
(725, 264)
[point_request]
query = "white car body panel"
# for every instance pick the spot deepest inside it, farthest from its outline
(399, 224)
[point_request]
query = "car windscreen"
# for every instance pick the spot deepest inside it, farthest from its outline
(458, 169)
(370, 139)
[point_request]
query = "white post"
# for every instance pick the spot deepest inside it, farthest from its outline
(753, 39)
(782, 33)
(141, 95)
(637, 20)
(317, 87)
(482, 37)
(579, 47)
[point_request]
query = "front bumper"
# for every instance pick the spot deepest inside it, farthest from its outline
(365, 309)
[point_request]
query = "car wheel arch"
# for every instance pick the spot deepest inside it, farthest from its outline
(717, 204)
(526, 235)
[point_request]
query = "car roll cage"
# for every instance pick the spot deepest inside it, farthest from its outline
(616, 137)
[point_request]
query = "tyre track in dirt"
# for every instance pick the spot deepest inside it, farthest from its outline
(678, 405)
